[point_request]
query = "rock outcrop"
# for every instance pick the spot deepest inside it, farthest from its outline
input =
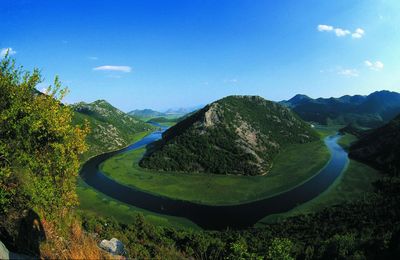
(113, 246)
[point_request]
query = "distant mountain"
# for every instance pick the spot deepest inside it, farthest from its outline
(146, 113)
(380, 148)
(182, 110)
(234, 135)
(296, 100)
(368, 111)
(110, 127)
(172, 113)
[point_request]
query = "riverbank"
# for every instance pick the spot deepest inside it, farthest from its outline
(354, 183)
(95, 203)
(292, 167)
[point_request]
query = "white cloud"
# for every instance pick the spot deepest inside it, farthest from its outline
(359, 33)
(4, 51)
(324, 28)
(93, 58)
(377, 65)
(114, 68)
(340, 32)
(348, 72)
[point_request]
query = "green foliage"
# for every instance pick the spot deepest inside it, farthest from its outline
(39, 147)
(234, 135)
(367, 228)
(280, 249)
(111, 128)
(341, 246)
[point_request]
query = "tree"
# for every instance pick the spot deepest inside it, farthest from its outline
(39, 146)
(280, 249)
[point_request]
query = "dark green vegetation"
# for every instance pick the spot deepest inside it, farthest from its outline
(367, 111)
(380, 148)
(111, 128)
(234, 135)
(363, 228)
(354, 129)
(294, 165)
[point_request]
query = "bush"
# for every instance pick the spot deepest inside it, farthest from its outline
(39, 147)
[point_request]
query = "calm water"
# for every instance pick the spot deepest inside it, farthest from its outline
(215, 217)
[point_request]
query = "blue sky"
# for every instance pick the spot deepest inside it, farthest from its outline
(162, 54)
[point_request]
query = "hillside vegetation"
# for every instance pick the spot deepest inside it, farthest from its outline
(234, 135)
(39, 163)
(111, 128)
(373, 110)
(380, 148)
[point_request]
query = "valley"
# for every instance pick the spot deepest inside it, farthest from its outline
(200, 130)
(293, 166)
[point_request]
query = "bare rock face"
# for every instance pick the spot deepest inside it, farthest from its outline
(113, 246)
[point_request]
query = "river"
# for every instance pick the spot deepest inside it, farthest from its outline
(215, 217)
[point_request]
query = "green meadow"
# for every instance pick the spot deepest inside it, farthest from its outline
(291, 167)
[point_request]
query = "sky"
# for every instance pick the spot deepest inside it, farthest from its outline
(183, 53)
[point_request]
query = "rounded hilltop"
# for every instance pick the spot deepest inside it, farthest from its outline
(233, 135)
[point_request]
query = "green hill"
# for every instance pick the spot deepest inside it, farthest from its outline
(110, 128)
(146, 113)
(234, 135)
(380, 148)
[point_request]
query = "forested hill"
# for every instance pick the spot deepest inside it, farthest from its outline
(146, 113)
(110, 127)
(234, 135)
(373, 110)
(380, 148)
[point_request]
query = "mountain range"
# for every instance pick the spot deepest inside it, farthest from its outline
(169, 113)
(372, 110)
(234, 135)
